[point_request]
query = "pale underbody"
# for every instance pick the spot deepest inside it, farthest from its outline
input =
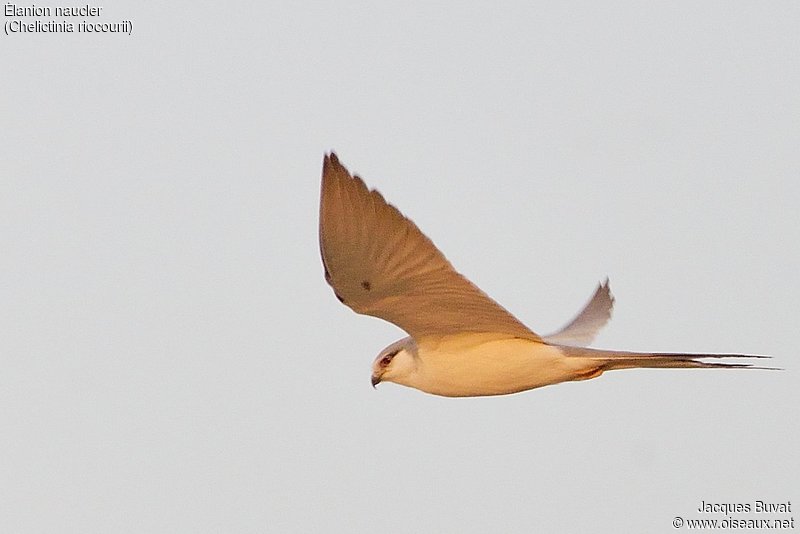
(485, 364)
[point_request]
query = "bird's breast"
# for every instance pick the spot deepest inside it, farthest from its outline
(481, 364)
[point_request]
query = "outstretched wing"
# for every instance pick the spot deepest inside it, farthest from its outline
(380, 264)
(583, 328)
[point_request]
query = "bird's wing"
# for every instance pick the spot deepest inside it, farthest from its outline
(583, 328)
(380, 264)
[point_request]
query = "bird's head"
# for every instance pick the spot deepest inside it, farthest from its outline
(396, 363)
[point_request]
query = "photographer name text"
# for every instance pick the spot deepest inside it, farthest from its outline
(758, 507)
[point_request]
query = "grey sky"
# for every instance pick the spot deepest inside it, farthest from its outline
(173, 361)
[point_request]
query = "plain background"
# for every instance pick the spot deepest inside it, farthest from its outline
(171, 359)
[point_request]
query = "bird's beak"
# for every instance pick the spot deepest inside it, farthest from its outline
(375, 380)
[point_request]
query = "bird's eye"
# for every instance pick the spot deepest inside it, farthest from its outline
(386, 360)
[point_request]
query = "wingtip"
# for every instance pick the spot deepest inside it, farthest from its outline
(332, 169)
(330, 159)
(605, 287)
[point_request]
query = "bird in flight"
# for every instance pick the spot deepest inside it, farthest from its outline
(461, 343)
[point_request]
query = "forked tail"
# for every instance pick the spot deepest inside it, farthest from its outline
(608, 360)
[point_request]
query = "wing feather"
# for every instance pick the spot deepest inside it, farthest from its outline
(582, 329)
(379, 263)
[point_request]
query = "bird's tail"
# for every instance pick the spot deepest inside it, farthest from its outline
(607, 360)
